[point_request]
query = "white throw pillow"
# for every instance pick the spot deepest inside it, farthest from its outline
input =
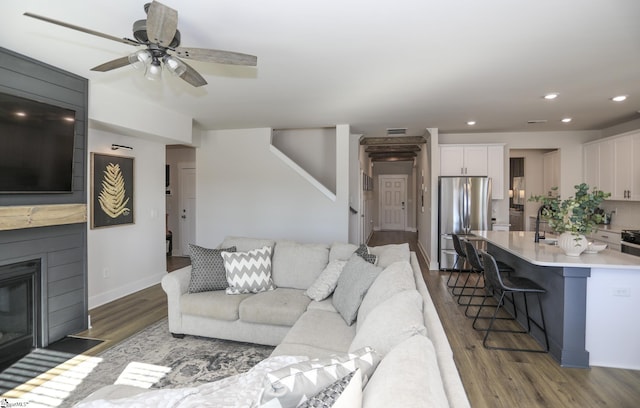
(326, 283)
(248, 272)
(408, 376)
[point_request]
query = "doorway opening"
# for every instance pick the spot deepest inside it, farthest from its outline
(180, 203)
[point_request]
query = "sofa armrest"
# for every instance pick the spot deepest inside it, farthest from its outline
(175, 284)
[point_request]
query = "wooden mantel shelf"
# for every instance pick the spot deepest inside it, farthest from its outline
(31, 216)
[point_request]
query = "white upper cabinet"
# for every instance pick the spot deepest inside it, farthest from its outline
(467, 160)
(609, 165)
(475, 160)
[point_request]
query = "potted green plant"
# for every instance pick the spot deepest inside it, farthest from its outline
(573, 217)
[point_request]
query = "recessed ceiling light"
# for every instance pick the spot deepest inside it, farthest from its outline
(619, 98)
(566, 120)
(471, 122)
(21, 114)
(552, 95)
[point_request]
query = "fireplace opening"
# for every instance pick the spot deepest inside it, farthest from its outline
(19, 310)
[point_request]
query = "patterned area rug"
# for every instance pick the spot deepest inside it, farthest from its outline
(192, 360)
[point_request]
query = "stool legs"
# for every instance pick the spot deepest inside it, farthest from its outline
(529, 320)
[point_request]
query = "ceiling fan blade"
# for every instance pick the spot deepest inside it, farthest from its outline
(192, 76)
(108, 66)
(82, 29)
(218, 56)
(162, 23)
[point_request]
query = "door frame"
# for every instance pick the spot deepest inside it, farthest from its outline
(182, 166)
(381, 179)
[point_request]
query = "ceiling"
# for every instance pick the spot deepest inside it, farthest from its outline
(373, 64)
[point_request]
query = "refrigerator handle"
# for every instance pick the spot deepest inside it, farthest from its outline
(467, 204)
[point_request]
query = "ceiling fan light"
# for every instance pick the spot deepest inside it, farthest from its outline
(174, 65)
(154, 70)
(140, 59)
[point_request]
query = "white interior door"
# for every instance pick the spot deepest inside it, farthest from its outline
(393, 202)
(187, 212)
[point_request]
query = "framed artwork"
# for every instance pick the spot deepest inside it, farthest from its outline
(112, 191)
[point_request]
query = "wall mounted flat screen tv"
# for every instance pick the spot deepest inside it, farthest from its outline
(36, 146)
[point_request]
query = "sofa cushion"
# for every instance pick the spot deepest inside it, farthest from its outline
(363, 252)
(388, 254)
(326, 282)
(326, 305)
(207, 269)
(296, 383)
(248, 272)
(295, 349)
(244, 244)
(216, 305)
(391, 322)
(341, 251)
(318, 328)
(298, 265)
(344, 393)
(353, 283)
(408, 376)
(282, 306)
(393, 279)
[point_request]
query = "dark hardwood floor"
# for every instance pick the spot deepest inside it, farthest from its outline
(491, 378)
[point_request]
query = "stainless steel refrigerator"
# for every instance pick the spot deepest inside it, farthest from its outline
(465, 205)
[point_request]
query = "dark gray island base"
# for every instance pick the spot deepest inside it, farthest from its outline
(564, 306)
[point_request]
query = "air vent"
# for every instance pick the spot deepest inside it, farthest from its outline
(536, 121)
(397, 131)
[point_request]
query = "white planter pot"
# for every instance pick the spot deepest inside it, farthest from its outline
(572, 245)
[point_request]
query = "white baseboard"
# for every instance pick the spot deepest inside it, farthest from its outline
(426, 257)
(124, 290)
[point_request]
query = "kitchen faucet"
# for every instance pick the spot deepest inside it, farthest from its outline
(538, 236)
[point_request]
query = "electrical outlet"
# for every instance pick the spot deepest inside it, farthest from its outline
(622, 292)
(105, 273)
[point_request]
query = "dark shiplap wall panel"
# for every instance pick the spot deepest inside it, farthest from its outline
(27, 78)
(62, 249)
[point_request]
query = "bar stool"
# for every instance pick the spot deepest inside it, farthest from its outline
(459, 263)
(510, 285)
(476, 266)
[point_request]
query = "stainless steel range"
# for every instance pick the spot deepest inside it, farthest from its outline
(630, 243)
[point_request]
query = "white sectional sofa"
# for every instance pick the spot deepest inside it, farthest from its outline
(395, 317)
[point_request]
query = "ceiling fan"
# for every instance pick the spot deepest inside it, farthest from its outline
(160, 36)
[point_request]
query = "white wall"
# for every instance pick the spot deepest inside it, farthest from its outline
(355, 190)
(312, 149)
(137, 116)
(124, 259)
(244, 189)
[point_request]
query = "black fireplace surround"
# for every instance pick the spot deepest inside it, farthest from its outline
(20, 309)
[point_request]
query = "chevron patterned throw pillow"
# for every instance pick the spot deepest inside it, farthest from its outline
(248, 272)
(292, 385)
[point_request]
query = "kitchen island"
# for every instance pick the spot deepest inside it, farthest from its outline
(591, 302)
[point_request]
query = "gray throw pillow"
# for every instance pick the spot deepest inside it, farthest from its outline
(207, 269)
(353, 283)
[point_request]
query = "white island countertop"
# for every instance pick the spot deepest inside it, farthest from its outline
(520, 244)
